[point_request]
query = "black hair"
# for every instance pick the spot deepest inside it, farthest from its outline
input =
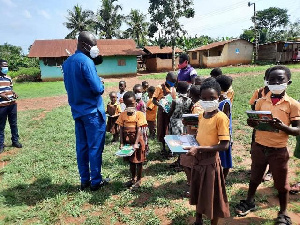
(151, 89)
(225, 82)
(267, 73)
(195, 90)
(137, 86)
(171, 75)
(112, 92)
(122, 82)
(216, 72)
(128, 94)
(213, 84)
(199, 79)
(185, 57)
(2, 61)
(286, 70)
(144, 83)
(209, 79)
(182, 87)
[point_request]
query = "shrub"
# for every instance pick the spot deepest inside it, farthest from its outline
(31, 74)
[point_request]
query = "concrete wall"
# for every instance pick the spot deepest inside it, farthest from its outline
(157, 64)
(109, 67)
(195, 62)
(243, 57)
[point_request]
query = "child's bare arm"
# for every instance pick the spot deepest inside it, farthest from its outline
(121, 137)
(138, 136)
(222, 146)
(293, 130)
(226, 109)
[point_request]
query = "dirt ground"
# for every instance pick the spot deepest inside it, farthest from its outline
(47, 104)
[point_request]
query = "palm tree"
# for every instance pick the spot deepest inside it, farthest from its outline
(109, 20)
(78, 20)
(138, 27)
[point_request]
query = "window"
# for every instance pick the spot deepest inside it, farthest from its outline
(194, 55)
(121, 62)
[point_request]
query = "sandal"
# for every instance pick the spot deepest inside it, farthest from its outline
(129, 183)
(295, 189)
(245, 207)
(283, 220)
(136, 185)
(268, 177)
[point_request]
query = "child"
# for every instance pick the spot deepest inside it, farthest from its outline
(151, 110)
(163, 118)
(113, 110)
(138, 91)
(225, 106)
(145, 97)
(199, 80)
(186, 72)
(207, 190)
(215, 72)
(131, 122)
(180, 105)
(270, 147)
(122, 87)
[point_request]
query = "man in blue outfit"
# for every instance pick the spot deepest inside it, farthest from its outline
(84, 89)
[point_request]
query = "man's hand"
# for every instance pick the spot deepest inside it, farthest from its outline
(277, 124)
(136, 146)
(15, 96)
(3, 96)
(252, 122)
(193, 151)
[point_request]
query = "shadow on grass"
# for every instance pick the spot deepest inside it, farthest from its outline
(238, 176)
(43, 189)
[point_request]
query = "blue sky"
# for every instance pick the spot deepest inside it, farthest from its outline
(23, 21)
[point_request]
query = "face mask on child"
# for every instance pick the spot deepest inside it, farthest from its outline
(130, 109)
(171, 84)
(138, 95)
(4, 70)
(277, 89)
(209, 106)
(183, 65)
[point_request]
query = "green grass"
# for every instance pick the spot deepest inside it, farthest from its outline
(225, 70)
(40, 184)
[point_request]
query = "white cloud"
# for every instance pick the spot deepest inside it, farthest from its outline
(8, 3)
(44, 14)
(26, 14)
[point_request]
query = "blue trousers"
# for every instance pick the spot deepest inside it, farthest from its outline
(90, 139)
(9, 112)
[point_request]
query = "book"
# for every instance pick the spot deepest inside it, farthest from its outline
(166, 102)
(263, 117)
(127, 150)
(176, 143)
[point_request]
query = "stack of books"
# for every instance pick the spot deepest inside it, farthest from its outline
(127, 150)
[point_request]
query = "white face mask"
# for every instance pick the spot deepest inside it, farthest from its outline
(266, 83)
(277, 89)
(138, 95)
(94, 51)
(209, 106)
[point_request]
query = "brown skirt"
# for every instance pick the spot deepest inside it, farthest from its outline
(163, 121)
(129, 137)
(186, 160)
(207, 189)
(111, 125)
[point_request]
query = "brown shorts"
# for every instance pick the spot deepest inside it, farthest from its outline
(277, 158)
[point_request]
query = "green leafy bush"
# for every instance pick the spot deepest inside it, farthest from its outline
(31, 74)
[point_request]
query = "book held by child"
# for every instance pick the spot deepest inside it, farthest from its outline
(176, 143)
(264, 117)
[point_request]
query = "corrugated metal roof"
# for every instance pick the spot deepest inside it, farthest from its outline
(158, 50)
(107, 47)
(213, 45)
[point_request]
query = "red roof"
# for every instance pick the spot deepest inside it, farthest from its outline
(159, 50)
(213, 45)
(59, 47)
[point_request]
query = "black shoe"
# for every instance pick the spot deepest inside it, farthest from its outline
(85, 185)
(17, 144)
(98, 186)
(1, 149)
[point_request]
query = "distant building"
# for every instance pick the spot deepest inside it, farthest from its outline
(223, 53)
(159, 59)
(279, 52)
(119, 56)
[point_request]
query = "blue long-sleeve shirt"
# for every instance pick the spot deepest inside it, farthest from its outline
(83, 85)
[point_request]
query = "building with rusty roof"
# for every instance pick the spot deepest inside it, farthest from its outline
(159, 59)
(119, 56)
(223, 53)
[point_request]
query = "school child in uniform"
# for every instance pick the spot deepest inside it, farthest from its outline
(187, 161)
(225, 106)
(131, 122)
(270, 147)
(145, 96)
(163, 118)
(140, 104)
(151, 111)
(113, 110)
(122, 87)
(207, 189)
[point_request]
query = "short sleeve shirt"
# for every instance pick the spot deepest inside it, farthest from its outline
(286, 110)
(151, 114)
(159, 93)
(138, 119)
